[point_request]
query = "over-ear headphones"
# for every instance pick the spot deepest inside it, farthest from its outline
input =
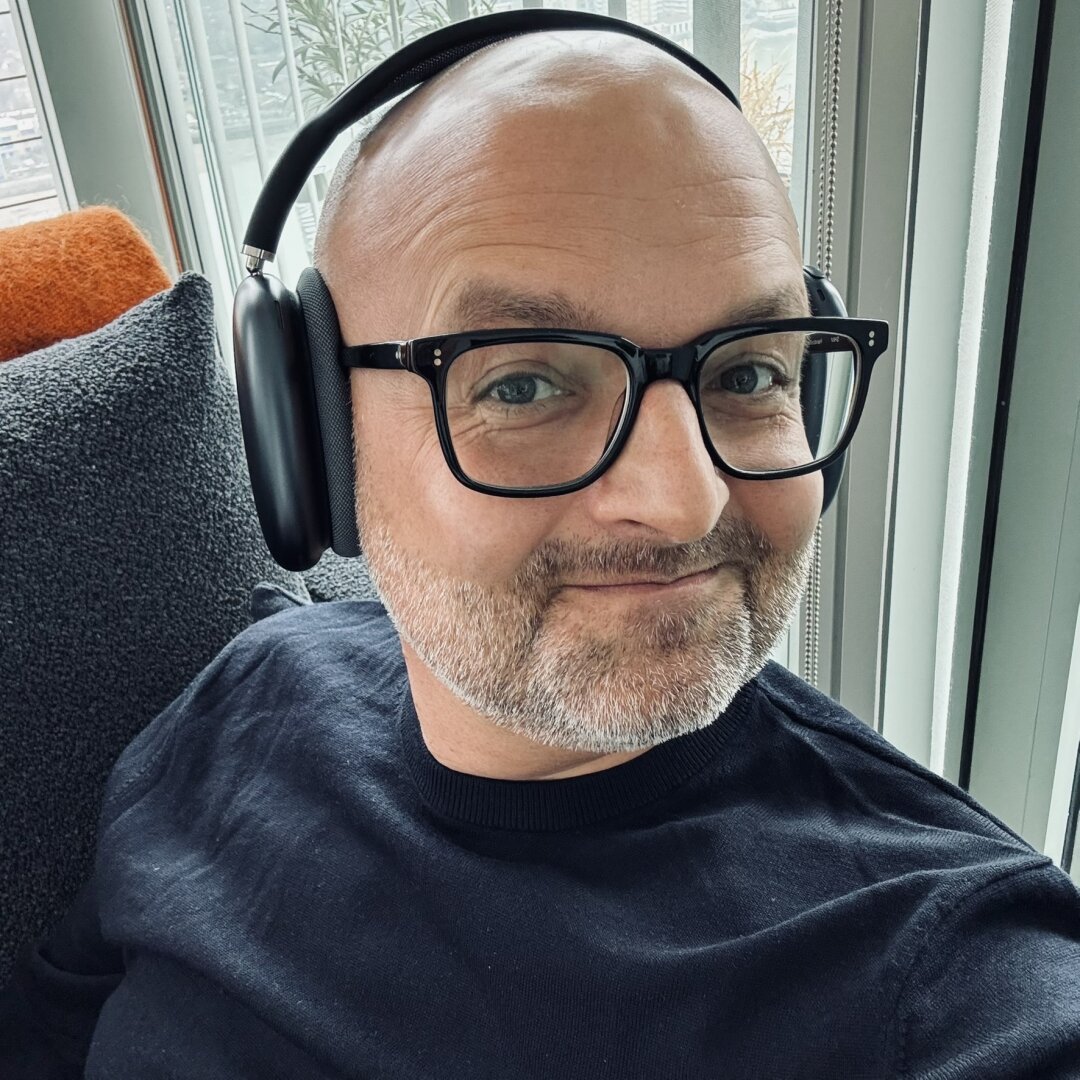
(295, 405)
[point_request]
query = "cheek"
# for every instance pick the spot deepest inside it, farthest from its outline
(407, 483)
(786, 511)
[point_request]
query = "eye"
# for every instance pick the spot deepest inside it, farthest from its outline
(521, 388)
(749, 379)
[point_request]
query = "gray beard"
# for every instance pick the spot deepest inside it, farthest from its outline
(531, 660)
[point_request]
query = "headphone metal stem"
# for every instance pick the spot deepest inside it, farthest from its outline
(255, 257)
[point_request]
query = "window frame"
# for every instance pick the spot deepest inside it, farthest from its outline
(37, 84)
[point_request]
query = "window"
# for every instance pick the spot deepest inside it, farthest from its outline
(31, 182)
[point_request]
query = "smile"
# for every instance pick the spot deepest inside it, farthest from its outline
(694, 581)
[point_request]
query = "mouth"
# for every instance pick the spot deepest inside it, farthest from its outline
(690, 582)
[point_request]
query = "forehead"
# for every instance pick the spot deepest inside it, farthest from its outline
(484, 303)
(621, 198)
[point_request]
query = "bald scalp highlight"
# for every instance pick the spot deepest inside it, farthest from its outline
(343, 182)
(538, 70)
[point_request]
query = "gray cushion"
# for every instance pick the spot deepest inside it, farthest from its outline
(129, 547)
(337, 578)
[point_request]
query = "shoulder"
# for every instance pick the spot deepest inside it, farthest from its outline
(278, 676)
(320, 625)
(891, 783)
(991, 981)
(294, 649)
(973, 904)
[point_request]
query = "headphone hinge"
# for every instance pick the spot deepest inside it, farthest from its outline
(254, 258)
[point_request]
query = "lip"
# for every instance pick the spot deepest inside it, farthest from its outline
(645, 587)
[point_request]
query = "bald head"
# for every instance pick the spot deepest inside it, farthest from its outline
(596, 115)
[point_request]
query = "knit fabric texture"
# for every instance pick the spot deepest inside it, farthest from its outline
(336, 578)
(288, 884)
(129, 546)
(71, 274)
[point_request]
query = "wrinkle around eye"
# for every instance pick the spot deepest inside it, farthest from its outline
(464, 436)
(408, 413)
(416, 441)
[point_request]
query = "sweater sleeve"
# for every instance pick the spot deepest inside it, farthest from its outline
(995, 990)
(50, 1008)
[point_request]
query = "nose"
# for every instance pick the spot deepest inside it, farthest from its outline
(663, 477)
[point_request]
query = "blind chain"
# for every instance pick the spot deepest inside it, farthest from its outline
(830, 107)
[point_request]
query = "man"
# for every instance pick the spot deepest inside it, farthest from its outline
(537, 818)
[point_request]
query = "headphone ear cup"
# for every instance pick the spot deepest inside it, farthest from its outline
(279, 421)
(334, 403)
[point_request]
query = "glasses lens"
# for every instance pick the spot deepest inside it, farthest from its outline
(778, 401)
(534, 414)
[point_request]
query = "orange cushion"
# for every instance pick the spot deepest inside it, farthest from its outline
(71, 274)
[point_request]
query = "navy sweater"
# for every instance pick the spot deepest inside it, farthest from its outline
(288, 884)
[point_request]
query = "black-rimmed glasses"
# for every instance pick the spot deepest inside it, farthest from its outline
(529, 413)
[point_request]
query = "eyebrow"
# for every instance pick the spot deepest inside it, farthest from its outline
(483, 304)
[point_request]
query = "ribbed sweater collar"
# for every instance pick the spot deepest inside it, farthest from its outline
(550, 805)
